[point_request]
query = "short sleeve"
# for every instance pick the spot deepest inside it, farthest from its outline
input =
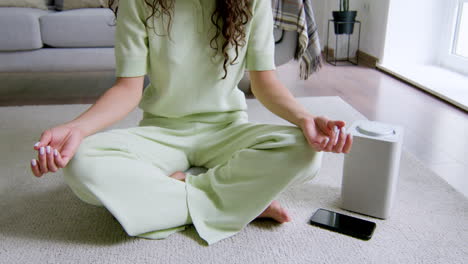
(261, 45)
(131, 39)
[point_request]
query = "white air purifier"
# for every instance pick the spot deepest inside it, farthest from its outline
(371, 169)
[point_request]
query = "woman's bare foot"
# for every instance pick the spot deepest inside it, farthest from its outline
(274, 210)
(178, 175)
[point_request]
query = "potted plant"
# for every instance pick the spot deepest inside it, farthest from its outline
(344, 15)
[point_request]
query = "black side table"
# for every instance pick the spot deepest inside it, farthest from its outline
(336, 44)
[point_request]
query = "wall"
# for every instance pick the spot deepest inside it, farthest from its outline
(374, 18)
(405, 30)
(413, 31)
(371, 13)
(319, 7)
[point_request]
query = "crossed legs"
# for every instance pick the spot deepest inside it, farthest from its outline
(274, 211)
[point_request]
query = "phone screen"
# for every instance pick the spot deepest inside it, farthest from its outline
(344, 224)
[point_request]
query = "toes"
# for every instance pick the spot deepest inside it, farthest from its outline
(284, 216)
(178, 175)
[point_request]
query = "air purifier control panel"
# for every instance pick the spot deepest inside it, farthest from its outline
(375, 129)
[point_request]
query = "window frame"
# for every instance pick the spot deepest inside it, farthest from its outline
(447, 57)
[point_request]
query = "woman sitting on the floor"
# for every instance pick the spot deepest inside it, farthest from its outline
(195, 52)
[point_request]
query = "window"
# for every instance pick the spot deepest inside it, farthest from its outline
(454, 51)
(461, 36)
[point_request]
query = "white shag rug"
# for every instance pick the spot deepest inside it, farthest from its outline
(42, 221)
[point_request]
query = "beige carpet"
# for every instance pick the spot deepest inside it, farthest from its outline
(41, 221)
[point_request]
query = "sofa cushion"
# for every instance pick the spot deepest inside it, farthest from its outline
(75, 4)
(42, 4)
(90, 27)
(19, 28)
(58, 60)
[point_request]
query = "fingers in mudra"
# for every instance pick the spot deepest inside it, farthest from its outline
(51, 166)
(324, 143)
(320, 145)
(41, 156)
(348, 144)
(35, 168)
(333, 140)
(341, 141)
(49, 160)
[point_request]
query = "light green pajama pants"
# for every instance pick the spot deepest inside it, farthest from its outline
(126, 171)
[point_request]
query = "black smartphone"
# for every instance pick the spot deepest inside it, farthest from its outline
(345, 224)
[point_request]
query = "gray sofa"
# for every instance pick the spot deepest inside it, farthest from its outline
(73, 43)
(36, 40)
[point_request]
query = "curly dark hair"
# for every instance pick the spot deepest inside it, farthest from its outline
(229, 18)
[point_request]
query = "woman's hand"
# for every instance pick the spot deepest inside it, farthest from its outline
(326, 135)
(55, 149)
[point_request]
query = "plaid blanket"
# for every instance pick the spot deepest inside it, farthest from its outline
(297, 15)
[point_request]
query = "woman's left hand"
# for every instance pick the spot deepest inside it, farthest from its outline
(321, 134)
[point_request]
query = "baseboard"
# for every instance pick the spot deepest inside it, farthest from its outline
(331, 52)
(365, 59)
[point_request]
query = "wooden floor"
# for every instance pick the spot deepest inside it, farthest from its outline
(435, 131)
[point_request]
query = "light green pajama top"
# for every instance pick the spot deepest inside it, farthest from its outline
(185, 79)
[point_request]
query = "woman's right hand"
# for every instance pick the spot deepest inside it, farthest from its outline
(55, 149)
